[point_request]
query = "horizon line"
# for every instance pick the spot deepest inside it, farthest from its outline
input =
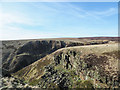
(65, 38)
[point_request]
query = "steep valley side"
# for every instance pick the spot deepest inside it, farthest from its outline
(19, 54)
(60, 63)
(75, 67)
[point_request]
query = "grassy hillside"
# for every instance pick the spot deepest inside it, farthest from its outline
(90, 62)
(21, 53)
(93, 66)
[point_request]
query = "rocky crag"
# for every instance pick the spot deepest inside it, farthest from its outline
(19, 54)
(62, 63)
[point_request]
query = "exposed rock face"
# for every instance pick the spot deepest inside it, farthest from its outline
(19, 54)
(75, 67)
(60, 63)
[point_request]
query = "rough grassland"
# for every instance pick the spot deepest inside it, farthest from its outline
(93, 62)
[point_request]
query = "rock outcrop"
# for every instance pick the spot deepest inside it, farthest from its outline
(19, 54)
(75, 67)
